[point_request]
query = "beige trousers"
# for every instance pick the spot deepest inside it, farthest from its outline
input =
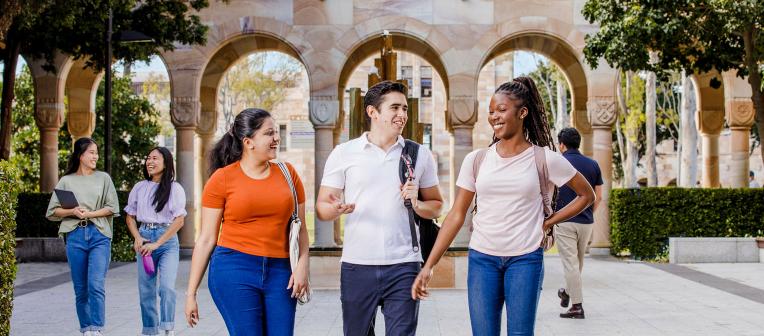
(571, 240)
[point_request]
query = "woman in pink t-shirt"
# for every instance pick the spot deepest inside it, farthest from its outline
(505, 257)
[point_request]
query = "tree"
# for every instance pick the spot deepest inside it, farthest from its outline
(260, 80)
(77, 28)
(690, 35)
(553, 90)
(688, 170)
(136, 124)
(156, 89)
(135, 128)
(25, 149)
(651, 97)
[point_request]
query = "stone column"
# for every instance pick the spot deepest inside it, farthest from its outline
(184, 111)
(740, 117)
(49, 115)
(602, 113)
(580, 121)
(206, 131)
(710, 124)
(462, 114)
(324, 111)
(710, 153)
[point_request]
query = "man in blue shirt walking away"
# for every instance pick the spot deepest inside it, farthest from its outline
(572, 236)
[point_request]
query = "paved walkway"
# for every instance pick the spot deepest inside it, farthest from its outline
(621, 298)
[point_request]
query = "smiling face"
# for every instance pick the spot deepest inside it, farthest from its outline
(155, 163)
(264, 143)
(89, 158)
(392, 115)
(505, 115)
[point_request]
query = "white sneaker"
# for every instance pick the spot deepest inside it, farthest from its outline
(96, 333)
(169, 332)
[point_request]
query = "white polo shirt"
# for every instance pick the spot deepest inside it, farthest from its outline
(377, 232)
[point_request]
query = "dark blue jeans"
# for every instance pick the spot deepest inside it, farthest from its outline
(88, 252)
(493, 281)
(251, 293)
(364, 287)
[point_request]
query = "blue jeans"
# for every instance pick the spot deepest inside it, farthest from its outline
(251, 293)
(88, 252)
(365, 287)
(493, 281)
(166, 259)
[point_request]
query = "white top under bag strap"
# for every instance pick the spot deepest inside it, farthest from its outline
(288, 176)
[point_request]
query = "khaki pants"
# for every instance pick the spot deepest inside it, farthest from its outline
(571, 239)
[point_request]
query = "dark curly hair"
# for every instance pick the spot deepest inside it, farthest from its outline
(536, 126)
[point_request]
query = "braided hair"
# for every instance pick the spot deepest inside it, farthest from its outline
(536, 125)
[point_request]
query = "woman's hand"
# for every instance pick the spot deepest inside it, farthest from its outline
(419, 288)
(137, 244)
(547, 225)
(299, 280)
(192, 311)
(146, 249)
(80, 212)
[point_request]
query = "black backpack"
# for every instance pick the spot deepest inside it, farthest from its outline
(428, 230)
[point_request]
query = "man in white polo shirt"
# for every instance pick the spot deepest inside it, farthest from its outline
(361, 179)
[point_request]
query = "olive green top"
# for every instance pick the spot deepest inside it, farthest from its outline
(94, 192)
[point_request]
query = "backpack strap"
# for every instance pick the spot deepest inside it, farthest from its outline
(479, 156)
(476, 163)
(543, 172)
(406, 172)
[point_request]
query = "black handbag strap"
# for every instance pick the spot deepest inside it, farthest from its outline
(406, 171)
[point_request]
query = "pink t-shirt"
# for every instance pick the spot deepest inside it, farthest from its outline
(510, 214)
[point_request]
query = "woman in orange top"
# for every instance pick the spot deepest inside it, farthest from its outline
(250, 278)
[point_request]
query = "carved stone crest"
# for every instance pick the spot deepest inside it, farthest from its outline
(602, 111)
(323, 111)
(184, 111)
(740, 112)
(48, 114)
(462, 111)
(207, 122)
(580, 121)
(710, 121)
(80, 123)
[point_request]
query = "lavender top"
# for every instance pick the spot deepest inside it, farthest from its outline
(139, 203)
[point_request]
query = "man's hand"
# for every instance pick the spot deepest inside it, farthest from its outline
(339, 206)
(410, 191)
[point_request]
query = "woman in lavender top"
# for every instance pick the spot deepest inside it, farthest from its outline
(155, 212)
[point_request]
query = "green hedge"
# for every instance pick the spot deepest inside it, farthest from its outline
(32, 223)
(643, 219)
(8, 178)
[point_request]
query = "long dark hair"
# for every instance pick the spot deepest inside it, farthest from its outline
(229, 148)
(536, 125)
(162, 194)
(80, 146)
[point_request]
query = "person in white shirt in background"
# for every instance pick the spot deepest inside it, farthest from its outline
(752, 180)
(361, 179)
(505, 262)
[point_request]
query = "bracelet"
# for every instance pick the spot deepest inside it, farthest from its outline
(192, 294)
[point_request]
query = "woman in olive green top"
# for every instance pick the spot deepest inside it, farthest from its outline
(88, 231)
